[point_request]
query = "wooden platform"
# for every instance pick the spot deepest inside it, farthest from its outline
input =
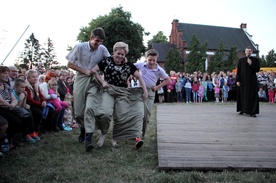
(212, 136)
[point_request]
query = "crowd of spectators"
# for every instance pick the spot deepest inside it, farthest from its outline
(43, 94)
(199, 87)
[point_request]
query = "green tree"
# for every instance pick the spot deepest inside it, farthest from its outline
(231, 62)
(216, 62)
(118, 27)
(49, 55)
(262, 61)
(158, 38)
(197, 56)
(31, 54)
(270, 58)
(173, 61)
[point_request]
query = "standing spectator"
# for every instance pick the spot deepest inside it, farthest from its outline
(210, 86)
(225, 90)
(248, 100)
(171, 90)
(195, 87)
(160, 91)
(200, 92)
(205, 85)
(178, 88)
(232, 94)
(188, 89)
(134, 82)
(217, 92)
(271, 92)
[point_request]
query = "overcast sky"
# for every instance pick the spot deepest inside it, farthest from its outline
(62, 20)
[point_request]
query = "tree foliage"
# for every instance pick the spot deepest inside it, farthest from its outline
(31, 54)
(231, 62)
(118, 27)
(34, 53)
(271, 59)
(158, 38)
(49, 55)
(197, 56)
(216, 62)
(173, 61)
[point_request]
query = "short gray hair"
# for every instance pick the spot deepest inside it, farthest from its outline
(120, 45)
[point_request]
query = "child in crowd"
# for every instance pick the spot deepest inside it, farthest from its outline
(262, 95)
(178, 88)
(225, 90)
(68, 114)
(28, 133)
(55, 101)
(201, 91)
(271, 92)
(195, 88)
(216, 91)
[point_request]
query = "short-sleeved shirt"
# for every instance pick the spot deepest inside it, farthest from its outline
(149, 75)
(116, 74)
(6, 93)
(86, 58)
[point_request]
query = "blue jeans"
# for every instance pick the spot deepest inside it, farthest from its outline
(195, 93)
(188, 94)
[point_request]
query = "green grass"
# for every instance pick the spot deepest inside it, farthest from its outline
(59, 157)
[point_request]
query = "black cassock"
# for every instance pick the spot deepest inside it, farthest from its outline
(247, 96)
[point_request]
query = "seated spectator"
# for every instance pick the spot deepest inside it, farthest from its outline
(63, 87)
(28, 132)
(57, 118)
(68, 114)
(35, 99)
(55, 100)
(13, 74)
(7, 103)
(3, 129)
(262, 95)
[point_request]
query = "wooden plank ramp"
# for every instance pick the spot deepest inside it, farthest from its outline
(212, 136)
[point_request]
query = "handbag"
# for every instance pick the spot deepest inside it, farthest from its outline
(21, 112)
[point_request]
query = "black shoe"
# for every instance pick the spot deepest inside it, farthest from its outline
(253, 115)
(89, 147)
(82, 135)
(88, 142)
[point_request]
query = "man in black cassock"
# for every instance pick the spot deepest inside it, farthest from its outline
(246, 79)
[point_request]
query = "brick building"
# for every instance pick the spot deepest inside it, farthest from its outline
(182, 33)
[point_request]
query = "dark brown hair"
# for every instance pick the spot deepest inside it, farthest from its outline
(4, 69)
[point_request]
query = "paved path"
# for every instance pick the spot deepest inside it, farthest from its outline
(212, 136)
